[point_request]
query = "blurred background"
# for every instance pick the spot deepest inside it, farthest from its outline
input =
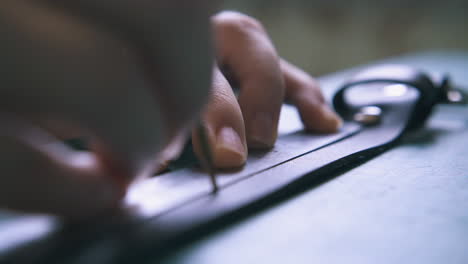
(324, 36)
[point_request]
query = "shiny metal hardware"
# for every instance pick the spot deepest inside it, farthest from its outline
(450, 94)
(368, 115)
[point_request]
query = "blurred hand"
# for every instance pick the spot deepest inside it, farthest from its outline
(247, 57)
(129, 76)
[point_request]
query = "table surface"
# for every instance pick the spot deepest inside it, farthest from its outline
(408, 205)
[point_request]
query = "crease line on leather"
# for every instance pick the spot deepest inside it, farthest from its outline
(235, 181)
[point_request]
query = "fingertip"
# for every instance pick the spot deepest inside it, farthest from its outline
(230, 150)
(321, 119)
(228, 146)
(304, 92)
(331, 121)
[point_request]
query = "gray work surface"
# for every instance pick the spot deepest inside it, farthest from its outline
(408, 205)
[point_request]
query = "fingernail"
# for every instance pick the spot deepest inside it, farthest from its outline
(263, 132)
(332, 121)
(229, 151)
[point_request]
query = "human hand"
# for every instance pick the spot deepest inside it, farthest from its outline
(129, 76)
(247, 57)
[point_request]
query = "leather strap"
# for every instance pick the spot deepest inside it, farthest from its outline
(300, 162)
(430, 93)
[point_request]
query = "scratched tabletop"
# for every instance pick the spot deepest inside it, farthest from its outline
(408, 205)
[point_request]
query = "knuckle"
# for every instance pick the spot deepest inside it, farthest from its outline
(233, 21)
(221, 98)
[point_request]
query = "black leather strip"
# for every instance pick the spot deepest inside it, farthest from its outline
(166, 192)
(429, 93)
(128, 239)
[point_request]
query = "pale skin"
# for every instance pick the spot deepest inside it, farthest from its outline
(132, 77)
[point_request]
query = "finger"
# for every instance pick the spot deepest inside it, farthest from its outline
(225, 126)
(163, 35)
(39, 174)
(304, 92)
(88, 79)
(245, 49)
